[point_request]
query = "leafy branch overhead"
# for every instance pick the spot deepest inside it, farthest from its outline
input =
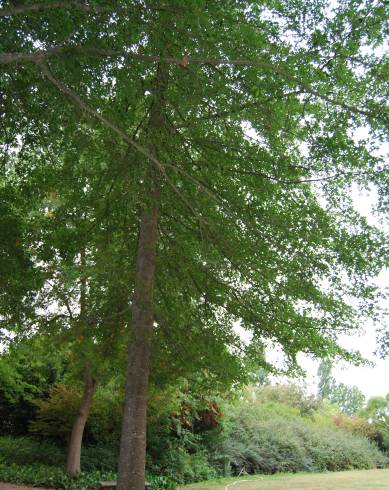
(38, 57)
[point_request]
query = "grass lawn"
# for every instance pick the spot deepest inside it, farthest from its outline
(351, 480)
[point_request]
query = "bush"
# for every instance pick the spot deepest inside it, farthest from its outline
(178, 424)
(24, 377)
(357, 425)
(53, 477)
(290, 395)
(50, 476)
(181, 466)
(27, 451)
(336, 450)
(268, 438)
(38, 462)
(56, 414)
(99, 458)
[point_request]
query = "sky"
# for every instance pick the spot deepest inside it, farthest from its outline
(371, 380)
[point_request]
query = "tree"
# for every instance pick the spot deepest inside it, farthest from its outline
(291, 395)
(349, 399)
(19, 279)
(224, 122)
(326, 380)
(75, 303)
(376, 412)
(27, 370)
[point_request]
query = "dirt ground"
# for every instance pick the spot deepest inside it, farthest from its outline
(345, 480)
(11, 486)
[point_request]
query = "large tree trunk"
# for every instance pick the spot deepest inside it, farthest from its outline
(132, 459)
(73, 462)
(131, 475)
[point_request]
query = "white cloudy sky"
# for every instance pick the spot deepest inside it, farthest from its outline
(371, 380)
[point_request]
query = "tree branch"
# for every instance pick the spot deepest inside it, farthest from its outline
(75, 98)
(25, 9)
(39, 56)
(78, 101)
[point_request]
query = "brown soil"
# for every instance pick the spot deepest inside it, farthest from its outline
(11, 486)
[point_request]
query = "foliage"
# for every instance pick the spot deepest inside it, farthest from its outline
(54, 477)
(100, 457)
(183, 465)
(269, 432)
(288, 394)
(350, 399)
(245, 147)
(269, 438)
(326, 380)
(180, 421)
(27, 370)
(326, 414)
(259, 115)
(19, 277)
(28, 451)
(56, 413)
(376, 412)
(39, 474)
(269, 429)
(358, 425)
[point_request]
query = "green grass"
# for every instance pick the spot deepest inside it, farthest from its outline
(350, 480)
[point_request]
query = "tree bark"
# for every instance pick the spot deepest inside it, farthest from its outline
(73, 462)
(132, 458)
(131, 474)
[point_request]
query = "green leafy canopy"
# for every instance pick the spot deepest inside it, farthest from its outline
(256, 157)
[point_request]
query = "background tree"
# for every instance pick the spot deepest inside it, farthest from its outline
(326, 380)
(349, 399)
(376, 412)
(76, 303)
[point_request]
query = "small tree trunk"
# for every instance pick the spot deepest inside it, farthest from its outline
(131, 474)
(73, 462)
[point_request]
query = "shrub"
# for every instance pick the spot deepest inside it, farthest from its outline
(357, 425)
(50, 476)
(56, 414)
(24, 377)
(99, 457)
(290, 395)
(56, 478)
(261, 443)
(178, 424)
(181, 466)
(27, 451)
